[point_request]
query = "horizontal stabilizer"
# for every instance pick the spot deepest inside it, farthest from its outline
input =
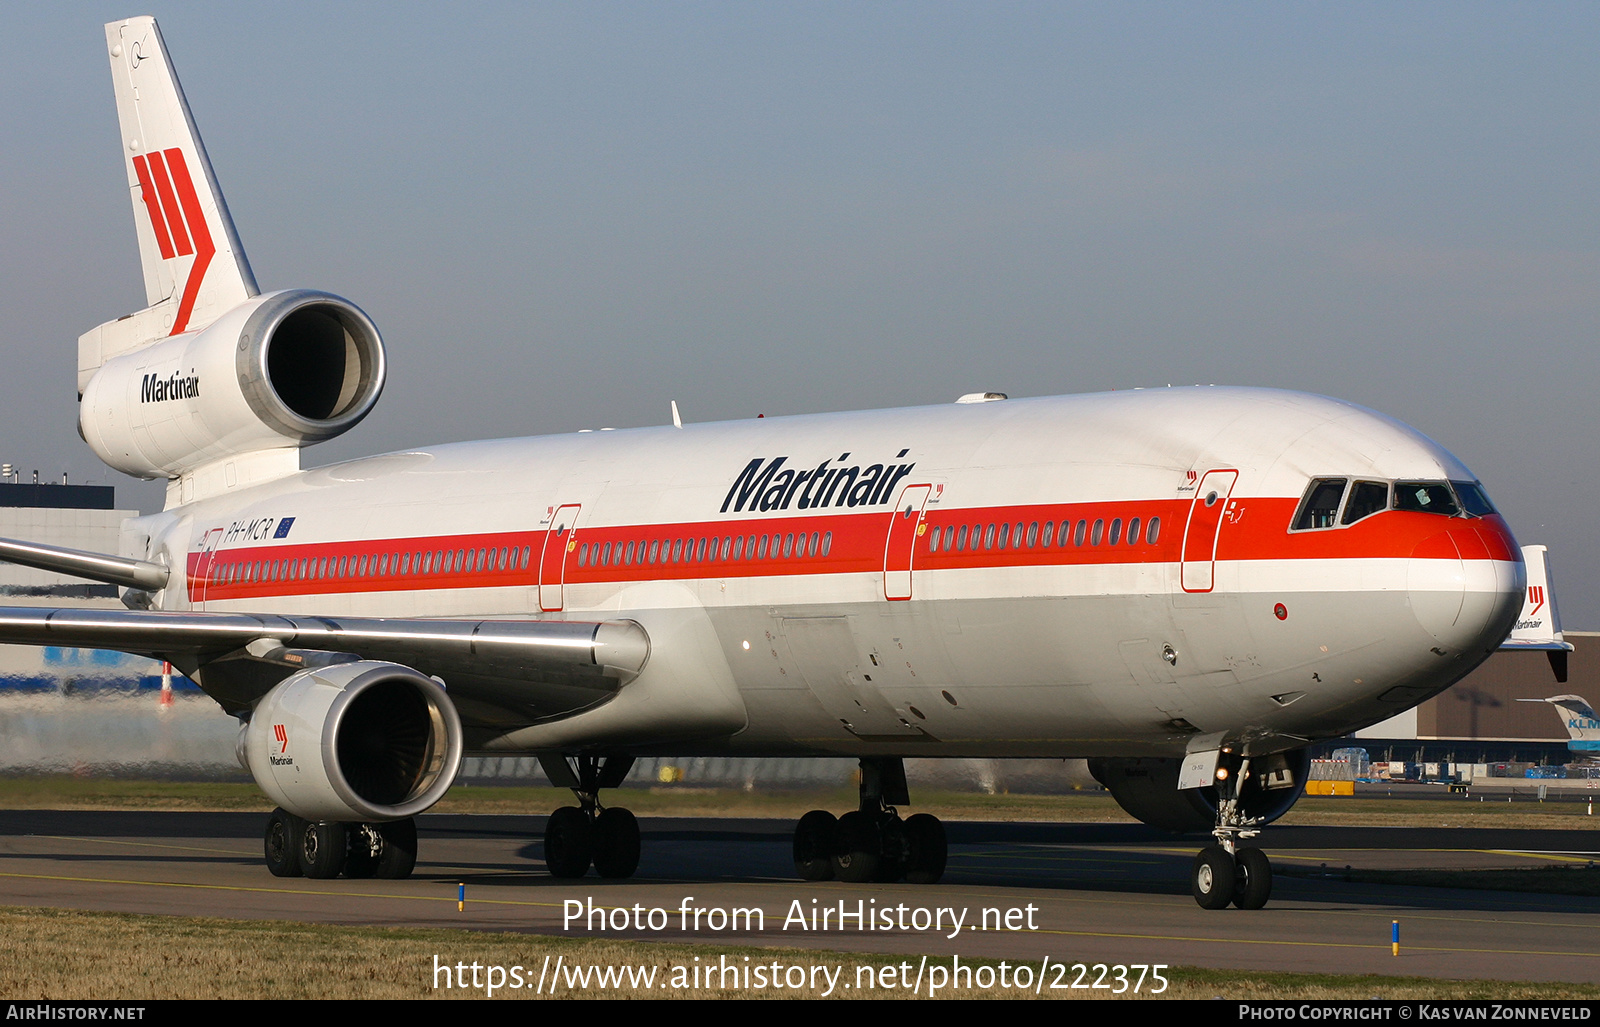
(76, 563)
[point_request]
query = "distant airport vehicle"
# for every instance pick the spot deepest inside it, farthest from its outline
(1188, 586)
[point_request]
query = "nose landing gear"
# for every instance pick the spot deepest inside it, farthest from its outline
(1226, 872)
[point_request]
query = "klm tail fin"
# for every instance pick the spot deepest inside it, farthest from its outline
(1582, 723)
(194, 267)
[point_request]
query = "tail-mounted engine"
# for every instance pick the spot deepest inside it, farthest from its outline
(282, 370)
(360, 741)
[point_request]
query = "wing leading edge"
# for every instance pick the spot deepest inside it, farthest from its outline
(500, 673)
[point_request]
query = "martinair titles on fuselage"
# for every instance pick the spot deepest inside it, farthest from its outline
(767, 485)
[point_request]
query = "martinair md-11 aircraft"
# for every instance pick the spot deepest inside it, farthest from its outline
(1186, 586)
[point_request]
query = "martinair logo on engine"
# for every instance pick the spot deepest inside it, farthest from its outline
(281, 733)
(156, 389)
(768, 485)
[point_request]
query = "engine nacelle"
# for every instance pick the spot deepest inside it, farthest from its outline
(1147, 788)
(281, 371)
(360, 741)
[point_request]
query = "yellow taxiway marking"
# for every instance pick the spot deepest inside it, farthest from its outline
(148, 845)
(271, 891)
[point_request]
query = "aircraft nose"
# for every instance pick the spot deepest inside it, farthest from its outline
(1466, 584)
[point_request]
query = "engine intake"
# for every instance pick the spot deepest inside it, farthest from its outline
(360, 741)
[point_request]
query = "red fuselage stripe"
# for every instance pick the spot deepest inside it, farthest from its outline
(1251, 529)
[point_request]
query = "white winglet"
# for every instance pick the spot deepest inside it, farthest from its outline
(194, 267)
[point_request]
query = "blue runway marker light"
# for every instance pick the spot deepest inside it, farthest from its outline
(1394, 936)
(461, 898)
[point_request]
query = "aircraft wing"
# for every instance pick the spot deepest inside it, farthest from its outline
(500, 673)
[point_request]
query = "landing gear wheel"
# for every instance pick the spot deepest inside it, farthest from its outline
(366, 850)
(1254, 885)
(568, 843)
(282, 843)
(1215, 878)
(926, 841)
(398, 853)
(815, 839)
(616, 843)
(322, 850)
(894, 851)
(857, 857)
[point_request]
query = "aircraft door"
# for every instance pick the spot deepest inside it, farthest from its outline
(1211, 499)
(906, 527)
(202, 567)
(560, 541)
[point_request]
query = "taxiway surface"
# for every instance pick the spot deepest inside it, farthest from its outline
(1099, 893)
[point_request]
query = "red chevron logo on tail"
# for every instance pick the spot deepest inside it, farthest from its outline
(177, 219)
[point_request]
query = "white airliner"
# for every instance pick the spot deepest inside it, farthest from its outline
(1185, 585)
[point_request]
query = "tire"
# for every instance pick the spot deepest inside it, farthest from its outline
(894, 851)
(568, 843)
(616, 843)
(929, 850)
(1214, 879)
(282, 843)
(815, 839)
(397, 855)
(1254, 885)
(322, 850)
(365, 852)
(857, 856)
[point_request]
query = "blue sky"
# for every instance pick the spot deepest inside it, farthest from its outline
(566, 215)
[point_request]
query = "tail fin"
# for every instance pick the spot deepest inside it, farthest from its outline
(1582, 723)
(194, 267)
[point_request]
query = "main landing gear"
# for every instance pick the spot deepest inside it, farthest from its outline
(296, 847)
(872, 843)
(577, 836)
(1227, 872)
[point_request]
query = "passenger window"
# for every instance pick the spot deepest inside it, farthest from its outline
(1005, 535)
(1133, 532)
(988, 538)
(827, 543)
(1116, 531)
(961, 540)
(1320, 508)
(1098, 533)
(1077, 538)
(1425, 497)
(1366, 499)
(1048, 534)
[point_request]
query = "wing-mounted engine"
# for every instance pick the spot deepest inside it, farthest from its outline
(353, 741)
(280, 371)
(1147, 788)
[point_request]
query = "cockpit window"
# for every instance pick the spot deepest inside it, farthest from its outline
(1320, 508)
(1473, 499)
(1425, 497)
(1366, 499)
